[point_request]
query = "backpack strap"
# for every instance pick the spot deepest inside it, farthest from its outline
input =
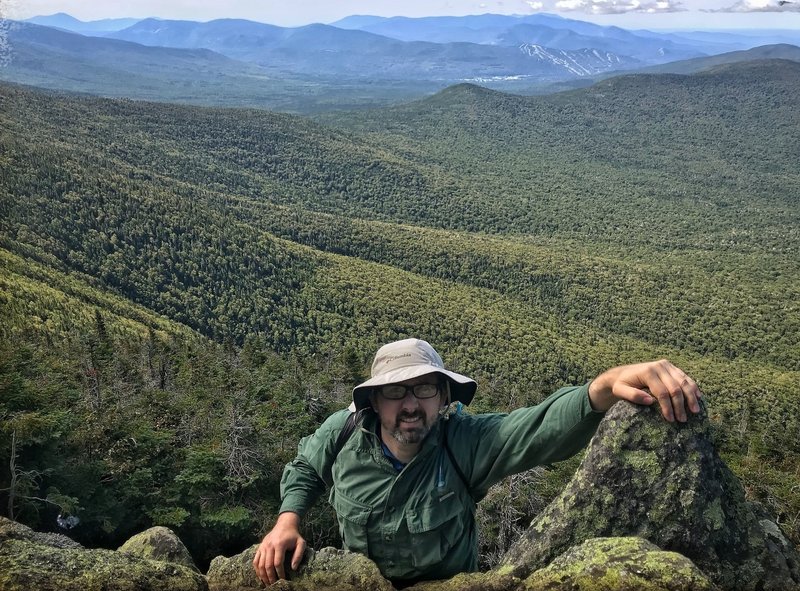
(457, 468)
(355, 419)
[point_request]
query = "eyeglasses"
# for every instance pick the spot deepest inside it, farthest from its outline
(399, 391)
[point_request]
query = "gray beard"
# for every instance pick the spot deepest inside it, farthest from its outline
(413, 436)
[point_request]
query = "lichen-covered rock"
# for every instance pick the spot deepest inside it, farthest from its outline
(159, 543)
(664, 482)
(342, 570)
(13, 530)
(619, 564)
(328, 569)
(235, 573)
(27, 564)
(490, 581)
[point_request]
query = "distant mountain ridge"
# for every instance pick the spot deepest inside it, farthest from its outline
(66, 22)
(236, 62)
(325, 50)
(542, 29)
(692, 66)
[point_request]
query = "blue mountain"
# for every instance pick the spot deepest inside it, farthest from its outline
(69, 23)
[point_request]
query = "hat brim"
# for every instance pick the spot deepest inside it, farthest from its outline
(462, 388)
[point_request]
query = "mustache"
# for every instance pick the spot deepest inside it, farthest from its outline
(410, 416)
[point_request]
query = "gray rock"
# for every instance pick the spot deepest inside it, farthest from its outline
(619, 564)
(490, 581)
(26, 564)
(663, 482)
(16, 531)
(338, 569)
(159, 543)
(235, 573)
(327, 569)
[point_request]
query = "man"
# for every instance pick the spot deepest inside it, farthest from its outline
(405, 483)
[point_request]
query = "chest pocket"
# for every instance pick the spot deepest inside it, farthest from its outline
(435, 528)
(353, 517)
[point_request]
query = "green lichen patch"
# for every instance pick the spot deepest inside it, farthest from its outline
(664, 482)
(714, 515)
(646, 463)
(619, 564)
(26, 565)
(491, 581)
(159, 543)
(328, 569)
(12, 530)
(339, 569)
(235, 573)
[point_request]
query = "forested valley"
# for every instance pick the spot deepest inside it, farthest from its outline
(187, 291)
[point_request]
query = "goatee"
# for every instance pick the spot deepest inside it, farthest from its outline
(413, 435)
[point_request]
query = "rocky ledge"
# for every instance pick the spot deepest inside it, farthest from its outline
(651, 507)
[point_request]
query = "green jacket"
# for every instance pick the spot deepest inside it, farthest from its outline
(420, 523)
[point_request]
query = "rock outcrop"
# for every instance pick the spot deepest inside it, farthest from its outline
(159, 543)
(663, 482)
(621, 564)
(610, 564)
(328, 568)
(11, 530)
(651, 507)
(31, 561)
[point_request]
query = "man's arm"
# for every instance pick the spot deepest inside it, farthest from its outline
(501, 444)
(646, 383)
(304, 479)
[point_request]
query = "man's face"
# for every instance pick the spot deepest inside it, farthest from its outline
(409, 419)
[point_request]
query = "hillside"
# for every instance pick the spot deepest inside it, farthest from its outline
(782, 51)
(692, 156)
(535, 241)
(55, 59)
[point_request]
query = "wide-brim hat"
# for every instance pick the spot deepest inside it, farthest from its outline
(410, 358)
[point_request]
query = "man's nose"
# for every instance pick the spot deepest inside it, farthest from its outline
(410, 402)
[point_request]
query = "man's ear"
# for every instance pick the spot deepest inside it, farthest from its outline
(446, 394)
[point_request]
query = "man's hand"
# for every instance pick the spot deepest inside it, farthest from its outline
(271, 553)
(645, 383)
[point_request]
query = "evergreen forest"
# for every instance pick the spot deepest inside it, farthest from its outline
(187, 291)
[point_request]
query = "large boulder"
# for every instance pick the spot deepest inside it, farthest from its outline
(159, 543)
(29, 561)
(619, 564)
(11, 530)
(664, 482)
(326, 569)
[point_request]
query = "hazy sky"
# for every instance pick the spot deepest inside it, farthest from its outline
(625, 13)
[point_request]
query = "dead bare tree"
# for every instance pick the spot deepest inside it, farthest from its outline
(21, 480)
(242, 459)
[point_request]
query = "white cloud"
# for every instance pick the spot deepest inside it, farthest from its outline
(620, 6)
(762, 6)
(534, 4)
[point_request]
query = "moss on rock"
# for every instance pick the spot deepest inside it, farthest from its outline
(235, 573)
(330, 568)
(327, 569)
(159, 543)
(16, 531)
(490, 581)
(665, 482)
(26, 565)
(619, 564)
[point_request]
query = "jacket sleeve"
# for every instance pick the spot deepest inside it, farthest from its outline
(306, 476)
(499, 445)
